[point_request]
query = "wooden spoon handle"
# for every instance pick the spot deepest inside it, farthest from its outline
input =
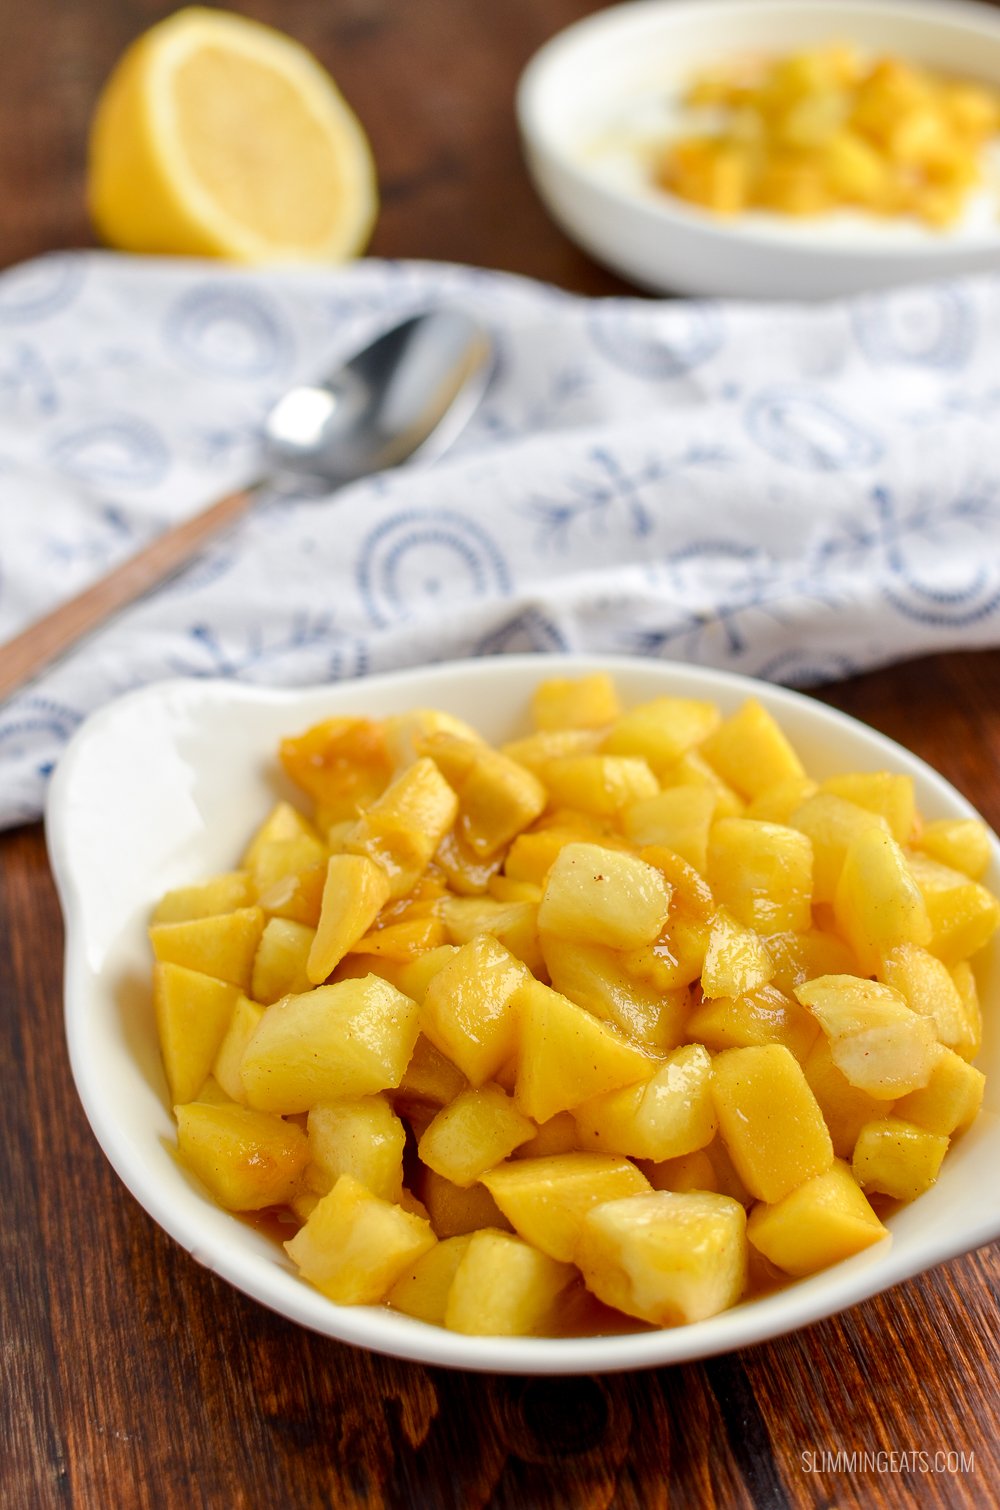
(23, 657)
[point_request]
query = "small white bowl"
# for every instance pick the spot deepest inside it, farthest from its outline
(594, 94)
(166, 785)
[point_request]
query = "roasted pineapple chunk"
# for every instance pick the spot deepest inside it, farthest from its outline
(928, 988)
(664, 1257)
(663, 730)
(831, 824)
(355, 891)
(343, 764)
(503, 1287)
(349, 1039)
(354, 1246)
(769, 1120)
(547, 1198)
(226, 1067)
(279, 966)
(678, 818)
(600, 785)
(763, 1016)
(845, 1108)
(595, 977)
(962, 844)
(223, 893)
(963, 915)
(457, 1209)
(950, 1101)
(825, 1220)
(602, 896)
(736, 960)
(248, 1159)
(883, 792)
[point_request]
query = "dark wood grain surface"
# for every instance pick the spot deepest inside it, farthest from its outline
(131, 1377)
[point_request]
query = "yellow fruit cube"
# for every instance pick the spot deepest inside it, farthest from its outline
(192, 1011)
(566, 1055)
(691, 1171)
(950, 1101)
(898, 1158)
(663, 730)
(297, 895)
(877, 904)
(928, 988)
(283, 822)
(678, 818)
(845, 1108)
(763, 1016)
(736, 960)
(468, 1011)
(279, 859)
(778, 803)
(504, 1288)
(413, 976)
(579, 702)
(226, 1066)
(422, 1290)
(514, 924)
(559, 1134)
(248, 1159)
(430, 1076)
(536, 750)
(223, 945)
(498, 799)
(664, 1117)
(882, 792)
(361, 1137)
(963, 915)
(349, 1039)
(404, 826)
(825, 1220)
(457, 1209)
(877, 1042)
(962, 844)
(769, 1120)
(354, 893)
(751, 752)
(831, 824)
(279, 966)
(546, 1199)
(694, 770)
(406, 734)
(965, 984)
(219, 894)
(603, 896)
(354, 1246)
(667, 1258)
(476, 1131)
(798, 957)
(595, 977)
(598, 784)
(464, 872)
(761, 873)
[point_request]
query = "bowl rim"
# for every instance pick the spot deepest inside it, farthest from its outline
(376, 1328)
(967, 16)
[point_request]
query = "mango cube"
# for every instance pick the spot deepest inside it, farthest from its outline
(602, 896)
(769, 1120)
(503, 1288)
(898, 1158)
(355, 1246)
(825, 1220)
(546, 1198)
(248, 1159)
(665, 1258)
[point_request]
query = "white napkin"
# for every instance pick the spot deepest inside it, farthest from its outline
(793, 492)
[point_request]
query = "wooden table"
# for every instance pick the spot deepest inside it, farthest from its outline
(133, 1378)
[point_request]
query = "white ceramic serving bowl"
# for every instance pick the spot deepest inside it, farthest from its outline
(613, 81)
(165, 786)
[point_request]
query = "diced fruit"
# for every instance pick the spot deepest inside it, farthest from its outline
(343, 764)
(466, 873)
(422, 1291)
(403, 827)
(354, 1246)
(355, 891)
(581, 702)
(497, 800)
(761, 873)
(468, 1011)
(595, 977)
(825, 1220)
(406, 733)
(694, 770)
(929, 989)
(546, 1199)
(297, 895)
(960, 843)
(663, 730)
(227, 1065)
(566, 1055)
(602, 896)
(898, 1158)
(779, 802)
(876, 1040)
(503, 1288)
(678, 818)
(223, 945)
(736, 960)
(279, 966)
(662, 1118)
(430, 1075)
(769, 1120)
(476, 1131)
(831, 824)
(877, 903)
(362, 1137)
(963, 915)
(192, 1011)
(349, 1039)
(845, 1108)
(279, 860)
(219, 894)
(457, 1209)
(283, 822)
(559, 1134)
(882, 792)
(536, 750)
(691, 1171)
(763, 1016)
(950, 1101)
(750, 751)
(599, 784)
(965, 984)
(799, 957)
(515, 924)
(666, 1258)
(248, 1159)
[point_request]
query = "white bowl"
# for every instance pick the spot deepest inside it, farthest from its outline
(166, 785)
(599, 90)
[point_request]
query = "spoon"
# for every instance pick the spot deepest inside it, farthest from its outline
(404, 397)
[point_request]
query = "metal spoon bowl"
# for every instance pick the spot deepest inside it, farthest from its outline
(406, 396)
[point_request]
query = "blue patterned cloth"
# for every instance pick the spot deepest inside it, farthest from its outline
(793, 492)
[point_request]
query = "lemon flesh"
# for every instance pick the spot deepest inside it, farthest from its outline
(217, 136)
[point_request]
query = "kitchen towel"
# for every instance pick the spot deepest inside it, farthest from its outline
(793, 492)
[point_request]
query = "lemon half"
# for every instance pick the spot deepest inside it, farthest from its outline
(217, 136)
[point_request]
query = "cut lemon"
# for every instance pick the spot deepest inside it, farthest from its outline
(216, 136)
